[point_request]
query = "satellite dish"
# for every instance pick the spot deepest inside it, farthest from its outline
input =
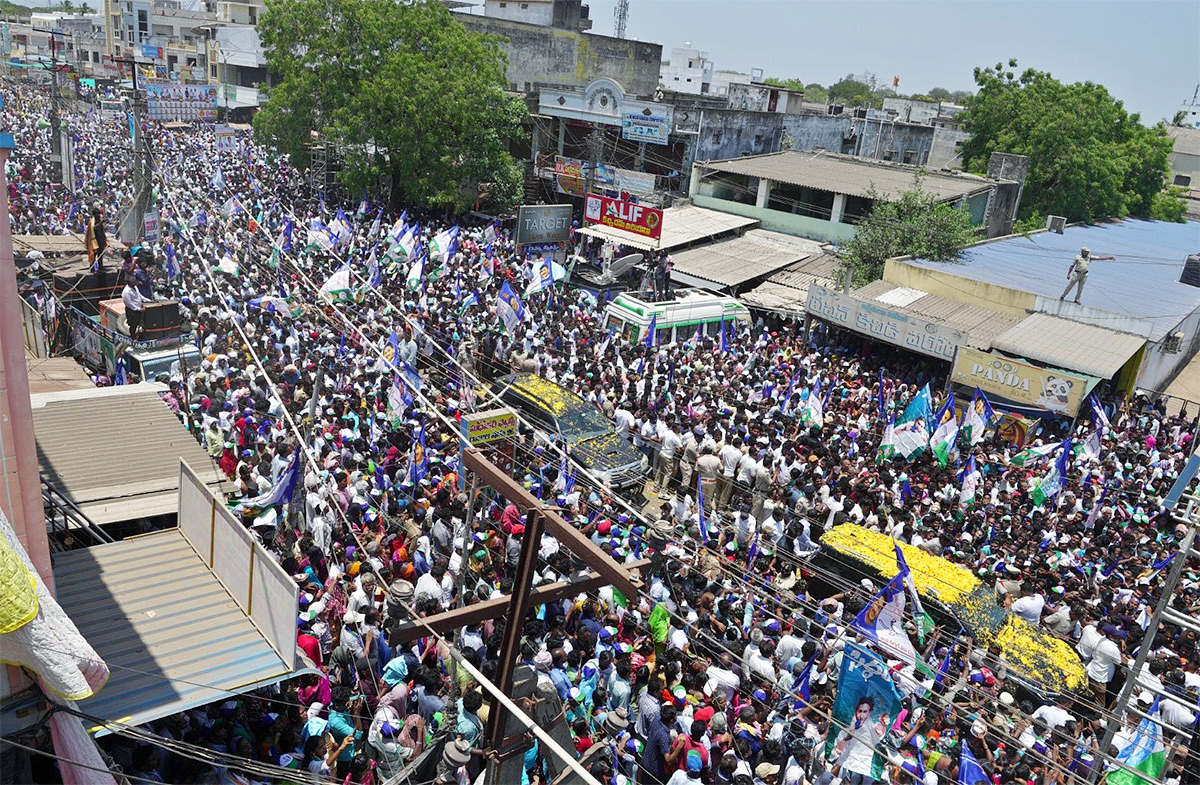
(620, 266)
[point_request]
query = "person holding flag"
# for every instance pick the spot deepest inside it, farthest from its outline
(1048, 486)
(977, 418)
(944, 436)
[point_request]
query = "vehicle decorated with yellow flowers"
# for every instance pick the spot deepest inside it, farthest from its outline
(562, 415)
(1037, 659)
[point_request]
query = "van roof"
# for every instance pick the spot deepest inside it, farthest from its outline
(186, 349)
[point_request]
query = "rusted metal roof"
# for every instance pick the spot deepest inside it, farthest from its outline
(848, 174)
(1071, 345)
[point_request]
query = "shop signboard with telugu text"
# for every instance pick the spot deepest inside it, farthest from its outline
(543, 223)
(874, 321)
(626, 216)
(646, 126)
(490, 426)
(1022, 383)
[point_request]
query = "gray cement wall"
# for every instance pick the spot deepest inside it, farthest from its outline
(548, 55)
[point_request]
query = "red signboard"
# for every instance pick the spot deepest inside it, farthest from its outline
(626, 216)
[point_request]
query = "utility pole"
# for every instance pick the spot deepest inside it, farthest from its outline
(595, 147)
(134, 221)
(56, 146)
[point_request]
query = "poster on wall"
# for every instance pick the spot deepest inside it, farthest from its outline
(168, 102)
(647, 125)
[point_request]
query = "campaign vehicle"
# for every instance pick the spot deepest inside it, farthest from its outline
(675, 320)
(564, 416)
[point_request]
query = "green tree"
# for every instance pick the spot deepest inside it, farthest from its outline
(401, 89)
(816, 93)
(1168, 205)
(1089, 159)
(853, 92)
(939, 94)
(914, 222)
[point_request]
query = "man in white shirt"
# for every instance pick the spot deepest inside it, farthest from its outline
(1055, 715)
(668, 458)
(1030, 604)
(731, 456)
(1105, 657)
(623, 420)
(135, 308)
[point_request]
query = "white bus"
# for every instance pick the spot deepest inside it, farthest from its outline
(678, 319)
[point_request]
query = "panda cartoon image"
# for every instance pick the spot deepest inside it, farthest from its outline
(1056, 394)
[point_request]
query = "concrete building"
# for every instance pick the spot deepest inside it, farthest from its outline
(941, 114)
(1185, 158)
(1190, 111)
(561, 14)
(732, 132)
(544, 55)
(1139, 321)
(687, 71)
(822, 196)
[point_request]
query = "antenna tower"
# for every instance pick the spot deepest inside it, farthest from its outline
(620, 17)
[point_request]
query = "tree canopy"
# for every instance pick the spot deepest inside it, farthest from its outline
(913, 222)
(1089, 159)
(402, 91)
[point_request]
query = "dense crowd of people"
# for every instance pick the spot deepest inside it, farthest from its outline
(726, 669)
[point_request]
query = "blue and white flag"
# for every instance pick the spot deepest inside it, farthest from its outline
(969, 770)
(510, 308)
(545, 275)
(419, 460)
(374, 273)
(700, 509)
(280, 492)
(912, 428)
(272, 304)
(882, 620)
(284, 241)
(1047, 487)
(373, 232)
(970, 479)
(340, 227)
(320, 236)
(218, 180)
(172, 264)
(724, 338)
(652, 332)
(864, 675)
(119, 376)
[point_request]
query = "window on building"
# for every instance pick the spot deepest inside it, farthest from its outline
(716, 137)
(1172, 343)
(504, 5)
(95, 57)
(689, 80)
(758, 140)
(910, 156)
(524, 6)
(1183, 180)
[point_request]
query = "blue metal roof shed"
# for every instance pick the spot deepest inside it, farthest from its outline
(1143, 281)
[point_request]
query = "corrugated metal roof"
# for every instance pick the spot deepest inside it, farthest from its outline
(1143, 281)
(172, 636)
(680, 226)
(787, 290)
(732, 262)
(55, 374)
(981, 325)
(1072, 346)
(848, 174)
(115, 451)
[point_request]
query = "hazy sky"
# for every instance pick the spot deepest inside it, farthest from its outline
(1146, 52)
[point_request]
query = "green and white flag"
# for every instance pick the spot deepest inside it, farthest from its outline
(887, 447)
(1048, 486)
(415, 272)
(1146, 753)
(227, 265)
(911, 434)
(337, 286)
(942, 441)
(977, 418)
(1031, 455)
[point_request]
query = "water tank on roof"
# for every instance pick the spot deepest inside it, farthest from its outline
(1191, 271)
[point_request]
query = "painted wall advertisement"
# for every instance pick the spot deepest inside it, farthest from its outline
(1023, 384)
(168, 102)
(543, 223)
(570, 175)
(646, 126)
(150, 226)
(873, 321)
(626, 216)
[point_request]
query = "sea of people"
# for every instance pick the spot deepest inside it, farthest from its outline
(726, 669)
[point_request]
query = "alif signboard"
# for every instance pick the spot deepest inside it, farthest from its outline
(543, 223)
(626, 216)
(1023, 384)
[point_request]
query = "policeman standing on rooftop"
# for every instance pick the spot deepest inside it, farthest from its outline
(1077, 275)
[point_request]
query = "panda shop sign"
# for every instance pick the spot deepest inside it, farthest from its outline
(1019, 382)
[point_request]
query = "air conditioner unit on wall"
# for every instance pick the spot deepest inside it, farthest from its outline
(1056, 223)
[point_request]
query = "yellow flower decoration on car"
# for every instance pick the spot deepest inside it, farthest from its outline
(933, 575)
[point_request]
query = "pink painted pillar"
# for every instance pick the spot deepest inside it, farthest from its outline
(21, 490)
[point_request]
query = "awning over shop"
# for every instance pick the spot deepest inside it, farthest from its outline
(1075, 346)
(680, 226)
(738, 260)
(84, 450)
(186, 616)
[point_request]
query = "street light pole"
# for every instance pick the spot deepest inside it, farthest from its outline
(56, 150)
(133, 223)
